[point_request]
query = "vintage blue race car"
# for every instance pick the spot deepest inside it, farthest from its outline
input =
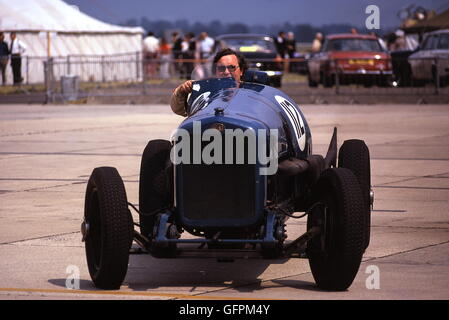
(233, 172)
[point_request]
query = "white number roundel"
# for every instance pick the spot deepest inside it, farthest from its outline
(295, 119)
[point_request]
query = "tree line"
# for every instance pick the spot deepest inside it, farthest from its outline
(303, 32)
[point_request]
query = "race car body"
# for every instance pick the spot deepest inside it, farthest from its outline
(226, 182)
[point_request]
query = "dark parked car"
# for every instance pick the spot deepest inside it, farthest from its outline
(259, 50)
(355, 58)
(233, 199)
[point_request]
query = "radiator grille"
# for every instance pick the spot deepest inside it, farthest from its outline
(218, 191)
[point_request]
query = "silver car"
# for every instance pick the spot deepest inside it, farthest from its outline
(431, 61)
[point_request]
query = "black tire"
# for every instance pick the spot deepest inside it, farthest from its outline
(354, 155)
(335, 255)
(110, 228)
(155, 183)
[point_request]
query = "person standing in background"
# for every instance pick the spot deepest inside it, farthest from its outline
(399, 42)
(188, 54)
(177, 51)
(290, 44)
(4, 57)
(206, 45)
(280, 44)
(165, 54)
(17, 49)
(281, 47)
(151, 47)
(317, 42)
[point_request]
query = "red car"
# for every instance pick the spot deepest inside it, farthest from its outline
(355, 58)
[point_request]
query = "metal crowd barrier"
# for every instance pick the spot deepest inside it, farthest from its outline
(136, 69)
(137, 74)
(32, 69)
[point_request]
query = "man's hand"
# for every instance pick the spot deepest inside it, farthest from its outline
(178, 100)
(184, 89)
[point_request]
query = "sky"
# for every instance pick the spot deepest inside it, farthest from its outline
(251, 12)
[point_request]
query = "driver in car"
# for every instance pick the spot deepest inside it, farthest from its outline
(227, 63)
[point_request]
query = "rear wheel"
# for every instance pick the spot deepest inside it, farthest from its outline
(354, 155)
(335, 255)
(154, 184)
(107, 228)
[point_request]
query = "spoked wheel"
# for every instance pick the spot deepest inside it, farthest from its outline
(354, 155)
(107, 228)
(335, 254)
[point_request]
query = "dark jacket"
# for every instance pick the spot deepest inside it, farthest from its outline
(4, 50)
(176, 49)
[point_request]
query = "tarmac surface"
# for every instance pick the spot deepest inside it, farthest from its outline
(48, 152)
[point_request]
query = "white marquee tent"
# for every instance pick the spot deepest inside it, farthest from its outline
(52, 28)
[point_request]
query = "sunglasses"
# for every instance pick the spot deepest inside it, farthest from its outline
(231, 68)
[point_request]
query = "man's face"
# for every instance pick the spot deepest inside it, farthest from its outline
(228, 66)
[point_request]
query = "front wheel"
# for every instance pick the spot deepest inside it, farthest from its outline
(354, 155)
(335, 255)
(107, 228)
